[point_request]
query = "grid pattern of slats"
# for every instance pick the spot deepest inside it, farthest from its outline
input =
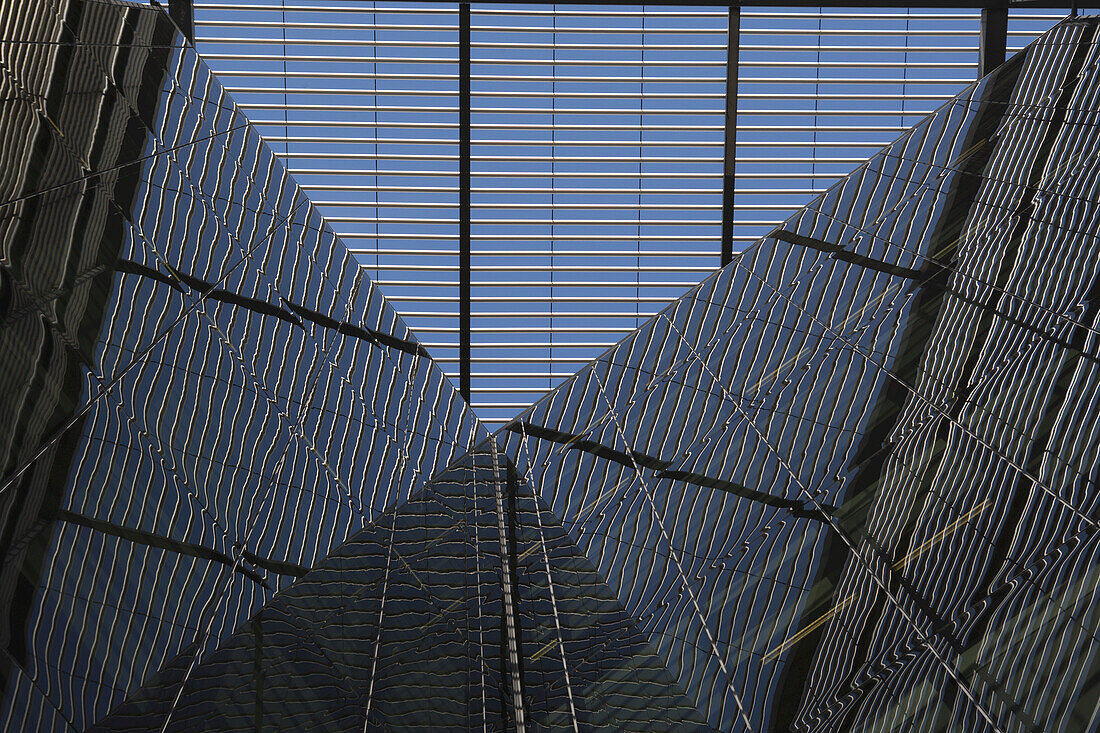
(596, 147)
(402, 629)
(200, 392)
(597, 177)
(849, 480)
(857, 464)
(361, 104)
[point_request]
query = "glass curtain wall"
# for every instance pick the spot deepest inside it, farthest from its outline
(597, 147)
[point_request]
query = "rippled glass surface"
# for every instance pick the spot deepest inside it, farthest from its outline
(597, 137)
(850, 481)
(202, 394)
(468, 608)
(847, 483)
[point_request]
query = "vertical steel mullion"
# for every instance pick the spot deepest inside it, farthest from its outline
(512, 648)
(258, 672)
(994, 38)
(733, 45)
(464, 200)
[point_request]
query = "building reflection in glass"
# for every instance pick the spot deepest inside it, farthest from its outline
(849, 482)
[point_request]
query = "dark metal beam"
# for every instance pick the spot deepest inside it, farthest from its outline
(464, 200)
(993, 40)
(729, 170)
(952, 4)
(182, 13)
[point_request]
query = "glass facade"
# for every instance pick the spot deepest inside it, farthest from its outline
(597, 137)
(200, 386)
(408, 626)
(849, 482)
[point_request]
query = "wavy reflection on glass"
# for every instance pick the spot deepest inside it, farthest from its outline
(849, 482)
